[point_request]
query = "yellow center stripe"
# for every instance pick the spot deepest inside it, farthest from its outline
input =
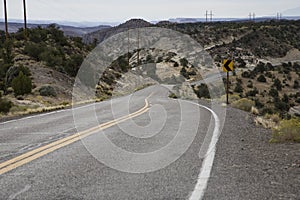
(41, 151)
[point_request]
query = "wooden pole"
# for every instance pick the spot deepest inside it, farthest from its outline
(128, 57)
(5, 16)
(138, 46)
(25, 18)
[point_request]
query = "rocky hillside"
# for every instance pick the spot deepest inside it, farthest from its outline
(38, 71)
(52, 60)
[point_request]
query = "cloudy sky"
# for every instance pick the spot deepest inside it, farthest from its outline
(122, 10)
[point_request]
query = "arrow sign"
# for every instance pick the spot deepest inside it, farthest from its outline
(228, 65)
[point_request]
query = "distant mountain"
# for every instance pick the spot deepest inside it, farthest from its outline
(101, 35)
(81, 24)
(195, 20)
(68, 30)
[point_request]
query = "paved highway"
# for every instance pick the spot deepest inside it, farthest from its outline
(42, 157)
(144, 146)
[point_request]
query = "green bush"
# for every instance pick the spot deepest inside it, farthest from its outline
(184, 62)
(238, 88)
(47, 91)
(172, 95)
(34, 50)
(262, 79)
(21, 84)
(5, 105)
(202, 91)
(277, 84)
(288, 131)
(244, 104)
(14, 71)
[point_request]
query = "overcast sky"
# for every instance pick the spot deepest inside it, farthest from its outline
(122, 10)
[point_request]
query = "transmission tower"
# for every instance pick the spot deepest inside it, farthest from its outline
(252, 17)
(211, 16)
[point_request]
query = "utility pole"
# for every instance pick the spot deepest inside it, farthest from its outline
(5, 16)
(128, 39)
(206, 16)
(138, 47)
(25, 18)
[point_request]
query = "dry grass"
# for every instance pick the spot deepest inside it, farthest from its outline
(268, 121)
(254, 110)
(243, 104)
(288, 131)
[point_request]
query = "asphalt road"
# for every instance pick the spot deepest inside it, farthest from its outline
(164, 140)
(144, 146)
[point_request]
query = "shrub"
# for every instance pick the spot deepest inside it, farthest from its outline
(5, 105)
(252, 93)
(238, 88)
(47, 91)
(21, 84)
(246, 74)
(277, 84)
(202, 91)
(14, 71)
(173, 96)
(288, 131)
(273, 93)
(244, 104)
(34, 50)
(296, 84)
(262, 79)
(72, 65)
(176, 64)
(184, 73)
(184, 62)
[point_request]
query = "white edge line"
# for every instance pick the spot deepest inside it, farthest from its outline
(208, 161)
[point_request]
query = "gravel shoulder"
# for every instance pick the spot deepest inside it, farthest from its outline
(247, 166)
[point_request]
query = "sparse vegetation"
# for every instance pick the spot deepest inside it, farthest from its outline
(288, 131)
(244, 104)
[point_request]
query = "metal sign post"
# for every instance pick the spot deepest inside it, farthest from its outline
(227, 67)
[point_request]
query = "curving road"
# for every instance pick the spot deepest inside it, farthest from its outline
(144, 146)
(41, 157)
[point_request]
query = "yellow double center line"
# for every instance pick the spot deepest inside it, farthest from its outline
(41, 151)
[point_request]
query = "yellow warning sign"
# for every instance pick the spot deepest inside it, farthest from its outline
(228, 65)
